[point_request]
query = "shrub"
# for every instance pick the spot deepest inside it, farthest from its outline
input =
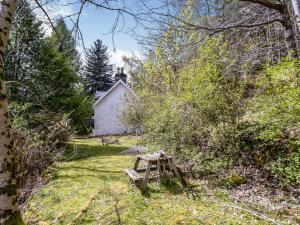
(35, 150)
(193, 112)
(276, 114)
(233, 179)
(213, 119)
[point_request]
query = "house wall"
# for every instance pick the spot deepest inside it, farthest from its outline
(107, 113)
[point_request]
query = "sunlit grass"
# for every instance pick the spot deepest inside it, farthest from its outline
(91, 188)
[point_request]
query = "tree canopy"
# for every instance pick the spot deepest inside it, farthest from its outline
(98, 70)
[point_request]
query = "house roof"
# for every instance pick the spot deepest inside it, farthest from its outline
(111, 89)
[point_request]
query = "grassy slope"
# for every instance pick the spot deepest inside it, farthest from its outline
(92, 189)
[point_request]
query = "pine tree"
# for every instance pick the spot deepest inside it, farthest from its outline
(98, 70)
(49, 69)
(58, 82)
(66, 44)
(23, 48)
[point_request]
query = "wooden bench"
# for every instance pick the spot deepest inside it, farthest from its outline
(163, 164)
(109, 141)
(134, 176)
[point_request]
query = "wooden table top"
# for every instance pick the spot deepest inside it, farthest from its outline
(154, 157)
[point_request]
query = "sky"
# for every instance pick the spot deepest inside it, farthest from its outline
(97, 24)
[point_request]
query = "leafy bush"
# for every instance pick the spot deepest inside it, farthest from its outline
(36, 149)
(233, 179)
(193, 113)
(275, 112)
(214, 119)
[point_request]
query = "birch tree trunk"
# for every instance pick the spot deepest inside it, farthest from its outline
(9, 212)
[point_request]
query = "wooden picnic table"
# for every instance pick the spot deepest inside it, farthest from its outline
(160, 163)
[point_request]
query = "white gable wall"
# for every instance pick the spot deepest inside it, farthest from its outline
(107, 112)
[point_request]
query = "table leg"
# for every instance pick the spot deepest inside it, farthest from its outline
(147, 175)
(159, 171)
(136, 163)
(177, 172)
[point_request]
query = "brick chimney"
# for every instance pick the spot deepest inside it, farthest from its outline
(120, 75)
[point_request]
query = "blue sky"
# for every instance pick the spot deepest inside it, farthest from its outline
(97, 24)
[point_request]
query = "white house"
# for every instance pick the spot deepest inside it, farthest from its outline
(109, 106)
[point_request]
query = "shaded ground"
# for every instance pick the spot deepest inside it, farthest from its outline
(91, 188)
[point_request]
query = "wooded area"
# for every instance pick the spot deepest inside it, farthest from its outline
(218, 88)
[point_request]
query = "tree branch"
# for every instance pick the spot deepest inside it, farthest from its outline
(48, 17)
(271, 5)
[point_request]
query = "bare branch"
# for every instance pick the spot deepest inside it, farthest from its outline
(48, 17)
(271, 5)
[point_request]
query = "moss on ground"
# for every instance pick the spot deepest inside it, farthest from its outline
(15, 219)
(91, 188)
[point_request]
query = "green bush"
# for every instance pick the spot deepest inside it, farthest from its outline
(37, 144)
(233, 179)
(276, 112)
(206, 115)
(192, 113)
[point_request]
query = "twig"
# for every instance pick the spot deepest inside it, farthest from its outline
(48, 17)
(257, 214)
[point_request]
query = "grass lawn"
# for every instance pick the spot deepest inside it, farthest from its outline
(91, 188)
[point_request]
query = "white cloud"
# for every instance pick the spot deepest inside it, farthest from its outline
(54, 10)
(116, 57)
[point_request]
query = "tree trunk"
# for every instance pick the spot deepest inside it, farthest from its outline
(289, 34)
(283, 9)
(9, 212)
(296, 9)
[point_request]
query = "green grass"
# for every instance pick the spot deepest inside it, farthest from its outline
(89, 187)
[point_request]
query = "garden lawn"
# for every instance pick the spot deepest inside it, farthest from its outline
(90, 187)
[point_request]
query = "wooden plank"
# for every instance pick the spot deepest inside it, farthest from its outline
(153, 157)
(108, 141)
(134, 176)
(142, 170)
(147, 175)
(136, 164)
(159, 171)
(177, 173)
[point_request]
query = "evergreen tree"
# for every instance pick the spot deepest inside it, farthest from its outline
(66, 44)
(98, 70)
(49, 68)
(23, 48)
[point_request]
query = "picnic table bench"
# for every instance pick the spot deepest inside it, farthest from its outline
(160, 163)
(109, 140)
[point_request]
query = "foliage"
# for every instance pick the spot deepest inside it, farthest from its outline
(44, 72)
(199, 106)
(215, 120)
(24, 47)
(97, 71)
(66, 44)
(133, 113)
(38, 148)
(46, 96)
(15, 219)
(276, 113)
(136, 70)
(82, 111)
(233, 179)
